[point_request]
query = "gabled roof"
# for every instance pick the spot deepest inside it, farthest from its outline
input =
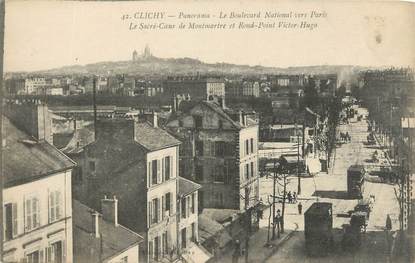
(187, 187)
(115, 239)
(79, 140)
(221, 112)
(153, 138)
(26, 159)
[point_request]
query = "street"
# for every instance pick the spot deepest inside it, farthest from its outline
(332, 187)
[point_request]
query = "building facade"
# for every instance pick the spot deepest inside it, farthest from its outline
(197, 88)
(137, 162)
(219, 151)
(37, 221)
(187, 214)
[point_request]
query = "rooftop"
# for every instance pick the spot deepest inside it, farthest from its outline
(187, 187)
(115, 239)
(26, 159)
(153, 138)
(209, 228)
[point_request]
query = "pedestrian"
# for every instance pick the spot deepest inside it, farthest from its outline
(294, 197)
(290, 199)
(278, 222)
(236, 252)
(388, 223)
(300, 208)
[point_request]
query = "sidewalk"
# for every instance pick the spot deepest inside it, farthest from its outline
(258, 251)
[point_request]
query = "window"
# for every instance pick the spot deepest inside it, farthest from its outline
(154, 211)
(192, 203)
(92, 166)
(124, 259)
(193, 232)
(157, 248)
(187, 206)
(198, 121)
(165, 244)
(247, 171)
(219, 174)
(252, 169)
(228, 171)
(184, 237)
(183, 208)
(200, 200)
(154, 171)
(246, 147)
(168, 203)
(33, 257)
(219, 149)
(252, 145)
(55, 253)
(310, 132)
(210, 148)
(10, 223)
(199, 148)
(32, 212)
(199, 173)
(55, 212)
(167, 165)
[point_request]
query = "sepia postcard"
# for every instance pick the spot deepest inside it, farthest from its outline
(207, 131)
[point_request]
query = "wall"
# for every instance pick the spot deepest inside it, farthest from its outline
(47, 233)
(169, 223)
(244, 159)
(192, 218)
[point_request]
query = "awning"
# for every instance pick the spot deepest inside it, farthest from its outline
(292, 159)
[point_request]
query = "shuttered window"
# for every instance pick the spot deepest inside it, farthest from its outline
(32, 213)
(55, 206)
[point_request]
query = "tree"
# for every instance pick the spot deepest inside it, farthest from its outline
(310, 98)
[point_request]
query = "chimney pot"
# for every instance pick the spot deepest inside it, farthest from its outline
(95, 223)
(109, 209)
(155, 119)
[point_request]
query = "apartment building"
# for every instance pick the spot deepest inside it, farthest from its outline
(137, 162)
(198, 88)
(187, 214)
(37, 199)
(219, 151)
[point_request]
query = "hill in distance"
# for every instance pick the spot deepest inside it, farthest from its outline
(154, 66)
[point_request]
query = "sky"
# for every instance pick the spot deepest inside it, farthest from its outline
(43, 35)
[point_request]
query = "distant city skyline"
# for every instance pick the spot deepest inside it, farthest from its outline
(56, 34)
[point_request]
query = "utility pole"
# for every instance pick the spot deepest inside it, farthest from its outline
(247, 230)
(273, 200)
(298, 163)
(284, 177)
(2, 10)
(94, 91)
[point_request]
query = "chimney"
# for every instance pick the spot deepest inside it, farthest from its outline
(32, 118)
(242, 118)
(109, 208)
(155, 119)
(95, 223)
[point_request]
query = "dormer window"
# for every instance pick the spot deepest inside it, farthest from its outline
(198, 122)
